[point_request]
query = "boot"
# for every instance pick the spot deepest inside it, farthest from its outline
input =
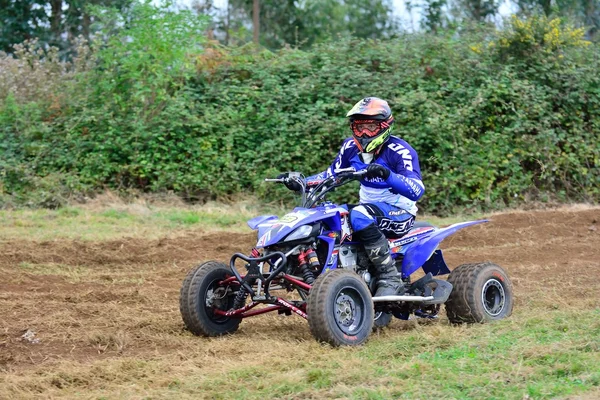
(377, 247)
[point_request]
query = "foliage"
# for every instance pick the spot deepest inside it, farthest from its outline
(108, 123)
(498, 118)
(585, 12)
(302, 23)
(54, 23)
(478, 10)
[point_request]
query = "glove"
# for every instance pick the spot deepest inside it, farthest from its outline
(377, 171)
(291, 184)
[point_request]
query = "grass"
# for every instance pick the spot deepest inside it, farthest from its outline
(112, 223)
(116, 221)
(106, 314)
(413, 361)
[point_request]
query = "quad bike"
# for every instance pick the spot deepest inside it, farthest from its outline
(310, 251)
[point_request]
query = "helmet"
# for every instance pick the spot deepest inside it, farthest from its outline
(371, 123)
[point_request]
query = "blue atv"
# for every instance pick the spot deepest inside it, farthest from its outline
(310, 252)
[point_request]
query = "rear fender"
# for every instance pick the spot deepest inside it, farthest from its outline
(421, 250)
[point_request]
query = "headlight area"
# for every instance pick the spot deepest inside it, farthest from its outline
(303, 232)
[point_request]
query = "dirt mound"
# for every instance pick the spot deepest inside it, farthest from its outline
(91, 300)
(539, 226)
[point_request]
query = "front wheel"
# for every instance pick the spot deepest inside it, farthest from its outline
(201, 294)
(340, 309)
(382, 319)
(481, 292)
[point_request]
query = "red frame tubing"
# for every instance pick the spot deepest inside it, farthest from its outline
(231, 279)
(296, 282)
(244, 311)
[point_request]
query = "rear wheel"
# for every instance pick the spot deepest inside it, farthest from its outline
(481, 292)
(340, 309)
(201, 294)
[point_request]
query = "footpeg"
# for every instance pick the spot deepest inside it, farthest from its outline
(419, 287)
(440, 293)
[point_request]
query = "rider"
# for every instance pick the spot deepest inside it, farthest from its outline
(388, 191)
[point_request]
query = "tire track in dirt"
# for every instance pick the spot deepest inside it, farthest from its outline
(91, 300)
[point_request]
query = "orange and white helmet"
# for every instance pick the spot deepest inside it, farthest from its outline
(371, 122)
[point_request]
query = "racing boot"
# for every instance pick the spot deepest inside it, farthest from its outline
(389, 282)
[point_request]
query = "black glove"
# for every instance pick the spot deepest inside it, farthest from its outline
(291, 184)
(377, 171)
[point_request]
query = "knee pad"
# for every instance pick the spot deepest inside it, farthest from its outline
(369, 234)
(360, 218)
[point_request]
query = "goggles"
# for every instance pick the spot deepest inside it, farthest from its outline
(368, 127)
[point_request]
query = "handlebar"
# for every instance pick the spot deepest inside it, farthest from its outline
(316, 193)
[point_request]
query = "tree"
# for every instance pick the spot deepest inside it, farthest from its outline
(53, 22)
(302, 23)
(582, 12)
(21, 20)
(479, 10)
(433, 16)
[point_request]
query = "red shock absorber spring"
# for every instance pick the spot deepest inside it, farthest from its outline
(255, 253)
(304, 260)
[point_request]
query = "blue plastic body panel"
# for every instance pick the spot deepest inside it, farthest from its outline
(420, 250)
(332, 256)
(274, 230)
(261, 219)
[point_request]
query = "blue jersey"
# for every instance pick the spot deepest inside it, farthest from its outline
(401, 189)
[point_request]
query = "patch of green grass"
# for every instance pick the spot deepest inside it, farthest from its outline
(114, 223)
(105, 223)
(116, 214)
(181, 217)
(68, 212)
(509, 359)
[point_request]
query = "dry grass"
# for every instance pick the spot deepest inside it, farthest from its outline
(106, 316)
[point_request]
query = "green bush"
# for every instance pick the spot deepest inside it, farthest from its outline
(497, 117)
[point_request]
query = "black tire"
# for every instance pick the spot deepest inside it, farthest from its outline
(340, 309)
(184, 307)
(381, 320)
(481, 292)
(196, 288)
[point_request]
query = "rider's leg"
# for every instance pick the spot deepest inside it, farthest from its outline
(364, 220)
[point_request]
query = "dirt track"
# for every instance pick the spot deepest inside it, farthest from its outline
(93, 300)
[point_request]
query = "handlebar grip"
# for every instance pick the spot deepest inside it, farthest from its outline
(274, 180)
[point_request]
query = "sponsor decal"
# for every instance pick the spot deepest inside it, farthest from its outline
(289, 218)
(404, 153)
(333, 257)
(401, 242)
(397, 227)
(416, 189)
(291, 307)
(264, 239)
(397, 212)
(346, 229)
(350, 338)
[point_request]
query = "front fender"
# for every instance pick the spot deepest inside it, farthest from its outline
(423, 248)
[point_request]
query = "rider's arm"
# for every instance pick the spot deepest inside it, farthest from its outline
(411, 188)
(405, 176)
(342, 160)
